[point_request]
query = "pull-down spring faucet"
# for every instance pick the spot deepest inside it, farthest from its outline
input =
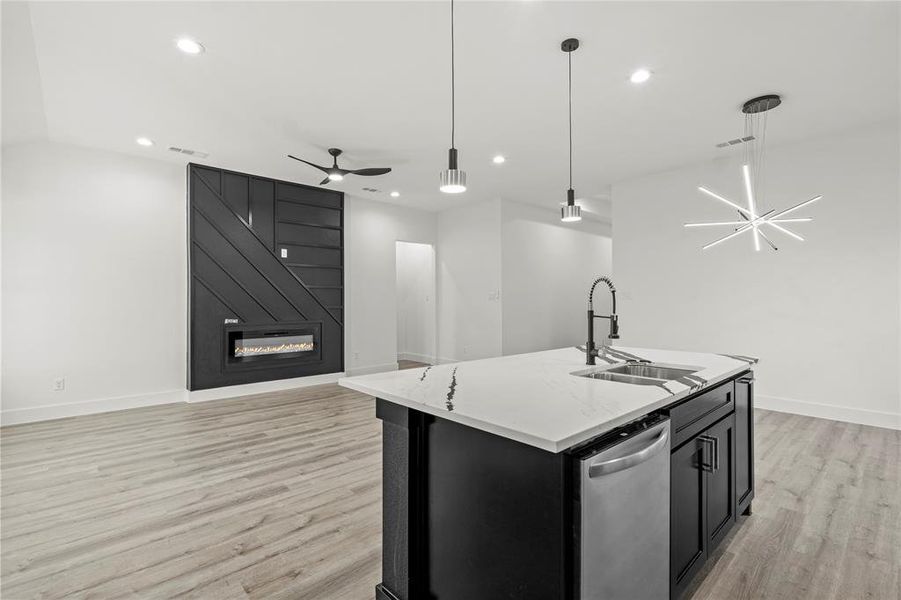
(591, 351)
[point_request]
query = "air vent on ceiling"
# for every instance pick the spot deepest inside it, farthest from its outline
(371, 190)
(189, 152)
(736, 141)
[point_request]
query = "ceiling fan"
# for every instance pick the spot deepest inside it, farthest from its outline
(336, 173)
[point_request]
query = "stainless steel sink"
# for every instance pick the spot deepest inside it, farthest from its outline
(653, 370)
(635, 373)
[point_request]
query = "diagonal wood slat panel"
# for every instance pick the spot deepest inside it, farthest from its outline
(238, 272)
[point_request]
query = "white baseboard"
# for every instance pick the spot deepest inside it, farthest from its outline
(248, 389)
(15, 416)
(423, 358)
(847, 414)
(369, 370)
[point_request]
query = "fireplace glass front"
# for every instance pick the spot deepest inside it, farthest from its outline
(246, 346)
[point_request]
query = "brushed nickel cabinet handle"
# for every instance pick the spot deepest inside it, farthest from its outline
(716, 454)
(706, 442)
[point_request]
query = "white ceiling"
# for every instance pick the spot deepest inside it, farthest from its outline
(373, 78)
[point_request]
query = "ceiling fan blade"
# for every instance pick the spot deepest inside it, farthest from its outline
(323, 169)
(324, 181)
(370, 172)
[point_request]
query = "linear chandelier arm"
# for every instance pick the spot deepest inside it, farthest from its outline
(784, 230)
(796, 207)
(795, 220)
(747, 227)
(711, 224)
(729, 202)
(728, 237)
(768, 240)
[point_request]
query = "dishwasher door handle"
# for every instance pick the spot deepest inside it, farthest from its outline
(626, 462)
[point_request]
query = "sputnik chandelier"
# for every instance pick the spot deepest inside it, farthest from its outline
(751, 218)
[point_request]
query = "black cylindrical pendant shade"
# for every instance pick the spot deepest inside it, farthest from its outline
(453, 180)
(571, 212)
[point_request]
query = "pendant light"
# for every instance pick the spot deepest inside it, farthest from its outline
(571, 212)
(453, 180)
(753, 218)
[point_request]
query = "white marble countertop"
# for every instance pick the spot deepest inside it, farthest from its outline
(534, 399)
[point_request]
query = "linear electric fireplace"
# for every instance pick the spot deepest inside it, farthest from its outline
(263, 345)
(269, 346)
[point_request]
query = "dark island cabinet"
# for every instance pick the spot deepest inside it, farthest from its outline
(688, 491)
(719, 440)
(711, 478)
(744, 449)
(471, 515)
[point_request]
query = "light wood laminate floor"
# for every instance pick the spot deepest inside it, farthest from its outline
(278, 496)
(410, 364)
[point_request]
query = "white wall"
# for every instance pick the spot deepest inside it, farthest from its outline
(416, 317)
(372, 229)
(94, 266)
(547, 269)
(469, 282)
(822, 315)
(512, 278)
(93, 280)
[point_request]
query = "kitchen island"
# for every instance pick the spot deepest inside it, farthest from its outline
(494, 484)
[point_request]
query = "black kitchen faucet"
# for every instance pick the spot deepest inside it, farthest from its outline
(591, 351)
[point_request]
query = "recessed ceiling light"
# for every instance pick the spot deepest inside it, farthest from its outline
(189, 46)
(640, 76)
(395, 194)
(144, 141)
(499, 159)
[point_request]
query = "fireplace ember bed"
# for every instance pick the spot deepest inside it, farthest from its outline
(253, 344)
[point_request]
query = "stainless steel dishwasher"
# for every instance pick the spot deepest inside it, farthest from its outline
(624, 511)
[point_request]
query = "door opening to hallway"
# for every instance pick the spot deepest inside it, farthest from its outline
(416, 317)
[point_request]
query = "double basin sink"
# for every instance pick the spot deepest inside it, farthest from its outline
(638, 373)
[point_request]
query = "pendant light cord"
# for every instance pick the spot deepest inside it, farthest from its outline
(569, 56)
(453, 82)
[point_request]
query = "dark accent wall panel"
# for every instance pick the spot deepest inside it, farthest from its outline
(294, 233)
(262, 209)
(262, 253)
(312, 255)
(236, 193)
(308, 195)
(319, 275)
(291, 212)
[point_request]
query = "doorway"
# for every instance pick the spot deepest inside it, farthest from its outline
(416, 317)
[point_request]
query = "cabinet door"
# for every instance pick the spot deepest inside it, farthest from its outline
(688, 535)
(744, 442)
(720, 443)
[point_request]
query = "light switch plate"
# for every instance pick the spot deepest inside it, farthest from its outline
(284, 253)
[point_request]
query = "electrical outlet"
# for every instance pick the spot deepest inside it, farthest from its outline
(356, 356)
(59, 384)
(465, 350)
